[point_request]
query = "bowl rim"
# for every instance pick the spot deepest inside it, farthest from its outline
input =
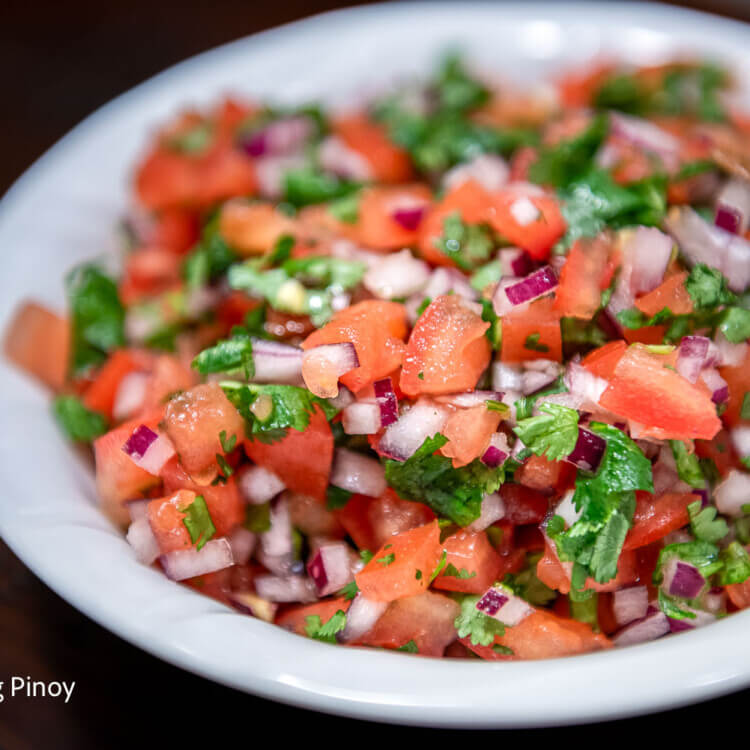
(698, 665)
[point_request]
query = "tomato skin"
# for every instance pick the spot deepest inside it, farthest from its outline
(738, 380)
(579, 292)
(176, 229)
(166, 516)
(376, 329)
(302, 460)
(540, 474)
(100, 395)
(523, 505)
(166, 179)
(670, 293)
(427, 619)
(370, 522)
(721, 451)
(252, 228)
(541, 318)
(294, 617)
(447, 350)
(739, 594)
(471, 551)
(669, 406)
(646, 335)
(394, 571)
(469, 432)
(38, 341)
(388, 162)
(655, 517)
(603, 361)
(376, 228)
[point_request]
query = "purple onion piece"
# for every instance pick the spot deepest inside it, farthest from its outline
(491, 602)
(702, 494)
(409, 218)
(728, 219)
(588, 450)
(692, 356)
(522, 264)
(687, 581)
(256, 144)
(387, 401)
(536, 284)
(493, 457)
(139, 441)
(679, 626)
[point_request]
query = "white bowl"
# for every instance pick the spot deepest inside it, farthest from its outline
(65, 209)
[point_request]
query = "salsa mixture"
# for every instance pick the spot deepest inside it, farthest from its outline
(462, 372)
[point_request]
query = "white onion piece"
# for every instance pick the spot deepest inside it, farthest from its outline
(649, 251)
(493, 509)
(276, 544)
(447, 280)
(344, 398)
(285, 588)
(276, 362)
(470, 398)
(130, 395)
(534, 380)
(647, 136)
(733, 203)
(258, 485)
(336, 157)
(270, 171)
(402, 438)
(137, 508)
(397, 275)
(362, 614)
(361, 418)
(188, 563)
(566, 509)
(500, 603)
(581, 382)
(330, 567)
(514, 262)
(524, 211)
(649, 628)
(730, 355)
(242, 543)
(630, 604)
(741, 441)
(156, 455)
(489, 170)
(716, 384)
(355, 472)
(732, 493)
(141, 538)
(506, 377)
(283, 136)
(252, 604)
(322, 366)
(691, 357)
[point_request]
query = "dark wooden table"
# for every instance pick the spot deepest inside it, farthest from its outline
(58, 62)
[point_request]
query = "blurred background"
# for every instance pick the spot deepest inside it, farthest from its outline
(59, 61)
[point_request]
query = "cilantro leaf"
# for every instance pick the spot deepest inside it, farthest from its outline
(350, 590)
(489, 273)
(325, 631)
(708, 288)
(704, 524)
(734, 323)
(210, 258)
(456, 89)
(336, 497)
(78, 422)
(527, 585)
(306, 186)
(325, 270)
(194, 140)
(688, 468)
(467, 244)
(430, 478)
(198, 522)
(736, 564)
(257, 517)
(701, 554)
(227, 356)
(553, 433)
(479, 627)
(410, 647)
(453, 572)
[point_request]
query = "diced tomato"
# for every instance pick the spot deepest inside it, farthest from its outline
(388, 162)
(447, 350)
(532, 332)
(225, 506)
(579, 292)
(100, 395)
(469, 201)
(312, 518)
(225, 173)
(377, 330)
(427, 619)
(469, 551)
(168, 376)
(668, 405)
(148, 272)
(655, 517)
(739, 594)
(232, 310)
(294, 617)
(117, 477)
(38, 341)
(521, 162)
(670, 293)
(252, 228)
(577, 88)
(469, 432)
(176, 229)
(537, 236)
(194, 421)
(720, 450)
(376, 226)
(539, 473)
(524, 505)
(403, 566)
(646, 335)
(370, 522)
(166, 516)
(529, 537)
(166, 179)
(602, 361)
(302, 460)
(738, 380)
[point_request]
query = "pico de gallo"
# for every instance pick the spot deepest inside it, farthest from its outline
(462, 372)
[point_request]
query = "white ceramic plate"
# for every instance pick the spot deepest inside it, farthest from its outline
(65, 208)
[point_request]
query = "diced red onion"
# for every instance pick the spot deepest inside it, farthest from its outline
(362, 614)
(701, 242)
(242, 543)
(336, 157)
(137, 508)
(717, 385)
(402, 438)
(276, 544)
(276, 362)
(691, 356)
(397, 275)
(649, 251)
(647, 136)
(141, 538)
(252, 604)
(733, 206)
(506, 376)
(588, 451)
(682, 579)
(215, 555)
(515, 262)
(497, 451)
(387, 402)
(344, 398)
(524, 212)
(271, 170)
(732, 493)
(281, 137)
(409, 218)
(504, 606)
(358, 473)
(322, 366)
(741, 442)
(470, 398)
(518, 449)
(630, 604)
(729, 354)
(258, 485)
(535, 285)
(534, 380)
(130, 395)
(447, 281)
(148, 449)
(583, 383)
(493, 509)
(330, 568)
(361, 418)
(489, 170)
(566, 509)
(690, 623)
(285, 588)
(714, 600)
(652, 626)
